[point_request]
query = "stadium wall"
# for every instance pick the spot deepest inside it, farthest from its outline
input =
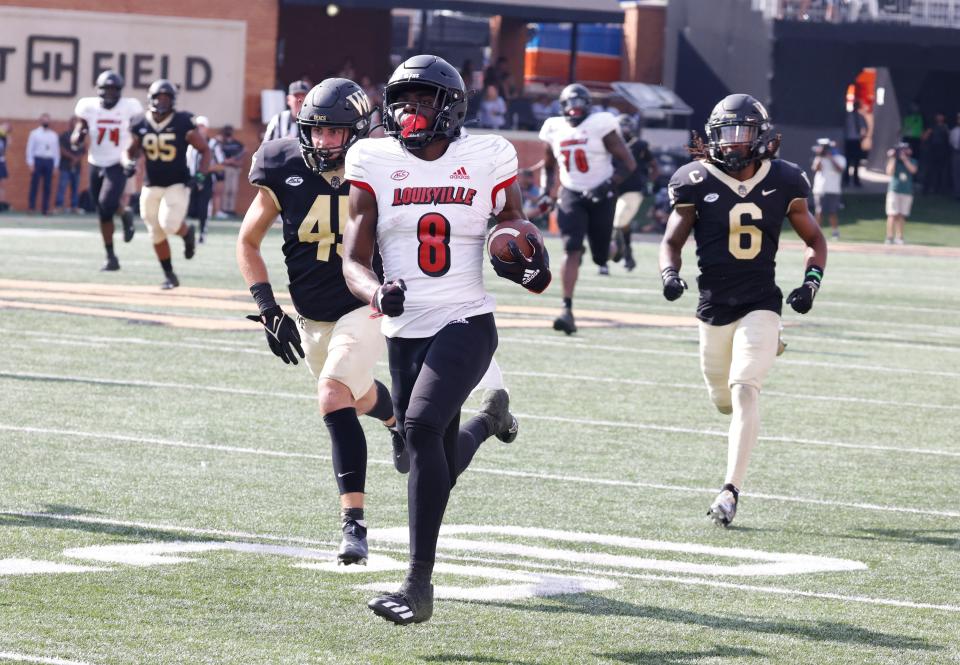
(257, 18)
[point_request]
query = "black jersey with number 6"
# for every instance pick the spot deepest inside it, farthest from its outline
(737, 230)
(314, 213)
(164, 145)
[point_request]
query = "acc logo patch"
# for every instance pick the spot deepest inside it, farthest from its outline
(399, 175)
(711, 197)
(294, 181)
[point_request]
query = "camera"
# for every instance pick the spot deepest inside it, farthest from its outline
(898, 150)
(822, 147)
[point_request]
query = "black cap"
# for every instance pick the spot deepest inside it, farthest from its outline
(298, 88)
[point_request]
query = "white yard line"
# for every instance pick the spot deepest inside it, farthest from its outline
(622, 349)
(695, 581)
(546, 418)
(100, 436)
(41, 660)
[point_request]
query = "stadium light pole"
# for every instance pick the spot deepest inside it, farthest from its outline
(572, 75)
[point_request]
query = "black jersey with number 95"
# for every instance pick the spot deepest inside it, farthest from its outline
(737, 231)
(164, 146)
(314, 213)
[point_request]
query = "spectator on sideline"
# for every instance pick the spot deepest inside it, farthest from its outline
(70, 160)
(901, 167)
(854, 131)
(4, 141)
(201, 186)
(535, 207)
(542, 108)
(284, 123)
(43, 156)
(233, 154)
(936, 140)
(493, 110)
(828, 168)
(955, 157)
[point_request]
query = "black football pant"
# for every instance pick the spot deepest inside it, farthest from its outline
(106, 188)
(432, 378)
(578, 217)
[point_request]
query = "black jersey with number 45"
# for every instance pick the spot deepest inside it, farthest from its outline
(164, 146)
(737, 230)
(314, 213)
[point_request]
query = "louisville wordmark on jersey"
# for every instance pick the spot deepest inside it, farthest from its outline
(737, 230)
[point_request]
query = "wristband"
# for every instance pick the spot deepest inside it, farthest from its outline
(263, 296)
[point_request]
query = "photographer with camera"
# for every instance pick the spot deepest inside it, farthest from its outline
(901, 167)
(828, 168)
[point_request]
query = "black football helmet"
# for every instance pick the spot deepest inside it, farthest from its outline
(333, 102)
(575, 103)
(629, 127)
(738, 120)
(449, 101)
(162, 87)
(109, 87)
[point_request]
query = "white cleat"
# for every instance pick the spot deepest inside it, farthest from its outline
(724, 507)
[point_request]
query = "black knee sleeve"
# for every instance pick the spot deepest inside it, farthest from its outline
(383, 407)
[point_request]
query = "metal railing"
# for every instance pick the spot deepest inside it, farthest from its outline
(934, 13)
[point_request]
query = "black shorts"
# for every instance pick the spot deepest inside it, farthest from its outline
(106, 187)
(578, 217)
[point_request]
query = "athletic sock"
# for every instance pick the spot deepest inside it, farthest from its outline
(167, 265)
(383, 408)
(109, 247)
(568, 303)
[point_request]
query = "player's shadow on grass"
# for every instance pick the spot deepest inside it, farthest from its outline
(822, 631)
(55, 521)
(679, 657)
(944, 537)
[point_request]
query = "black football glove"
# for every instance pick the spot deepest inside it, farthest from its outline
(801, 298)
(200, 181)
(388, 299)
(602, 192)
(130, 169)
(534, 273)
(673, 285)
(281, 333)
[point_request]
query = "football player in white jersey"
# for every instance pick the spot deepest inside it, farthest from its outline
(424, 195)
(106, 119)
(584, 144)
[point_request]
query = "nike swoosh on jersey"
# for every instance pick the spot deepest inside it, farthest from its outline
(768, 192)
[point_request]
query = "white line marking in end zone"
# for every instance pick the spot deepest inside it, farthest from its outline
(40, 660)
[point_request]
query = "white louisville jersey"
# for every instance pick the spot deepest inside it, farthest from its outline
(584, 160)
(432, 223)
(109, 129)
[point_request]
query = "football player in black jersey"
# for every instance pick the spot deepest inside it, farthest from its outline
(163, 134)
(630, 191)
(301, 179)
(733, 197)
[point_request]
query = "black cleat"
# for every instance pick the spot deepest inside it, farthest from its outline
(401, 458)
(564, 322)
(603, 270)
(171, 281)
(110, 264)
(495, 408)
(408, 605)
(629, 263)
(128, 229)
(190, 242)
(353, 547)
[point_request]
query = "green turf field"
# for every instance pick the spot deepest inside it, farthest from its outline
(167, 494)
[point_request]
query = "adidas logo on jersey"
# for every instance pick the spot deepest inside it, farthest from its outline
(460, 174)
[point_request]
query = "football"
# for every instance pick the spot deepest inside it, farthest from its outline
(513, 229)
